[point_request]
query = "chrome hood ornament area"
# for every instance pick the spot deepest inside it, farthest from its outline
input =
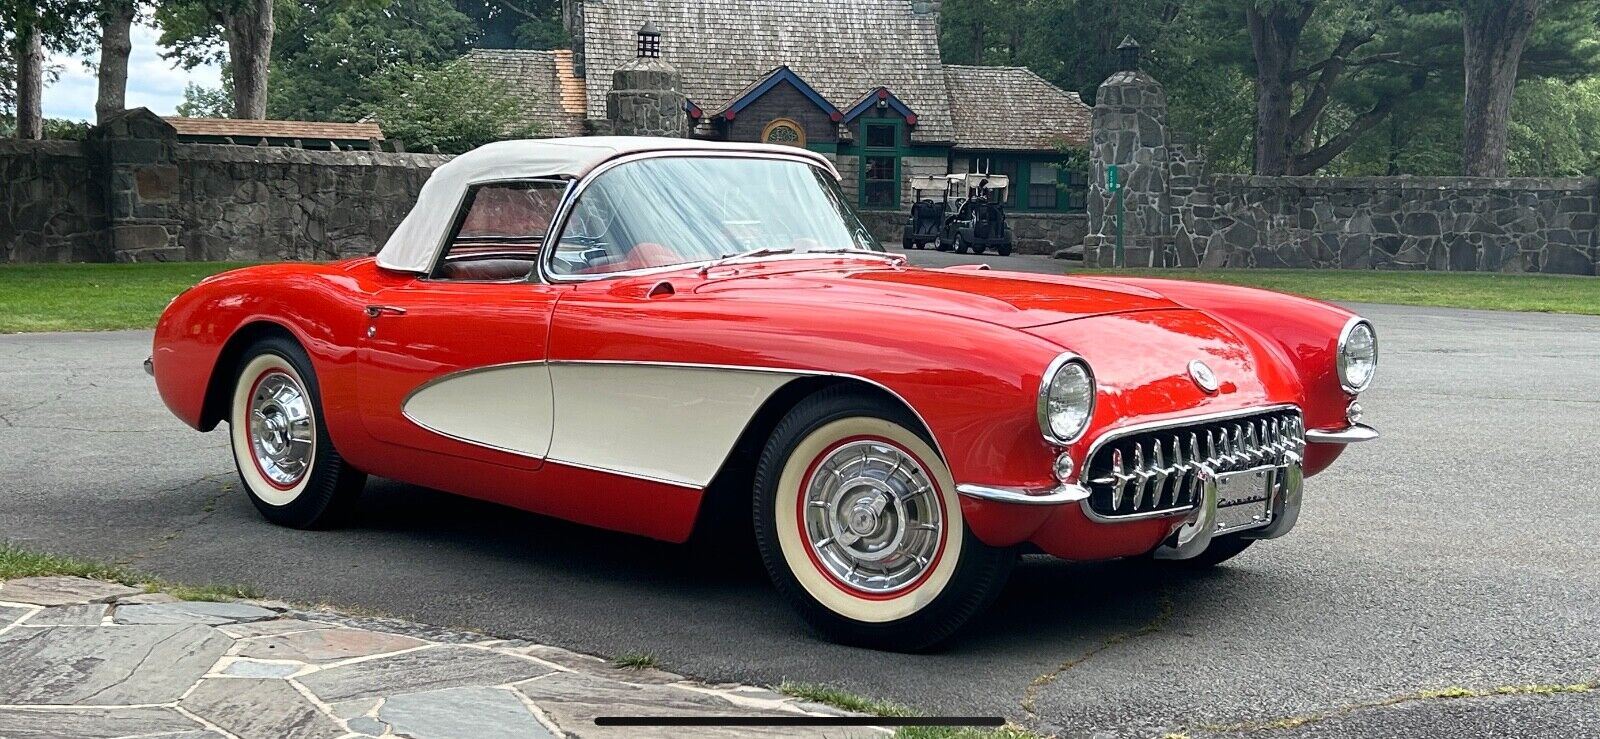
(1203, 376)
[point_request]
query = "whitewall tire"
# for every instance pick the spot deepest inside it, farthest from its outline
(860, 527)
(286, 461)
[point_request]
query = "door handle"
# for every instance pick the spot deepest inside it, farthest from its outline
(373, 311)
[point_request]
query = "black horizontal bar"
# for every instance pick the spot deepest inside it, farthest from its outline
(798, 721)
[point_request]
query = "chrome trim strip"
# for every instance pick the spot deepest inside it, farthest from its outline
(1060, 494)
(1338, 357)
(1139, 428)
(1354, 434)
(1043, 402)
(620, 473)
(564, 210)
(687, 365)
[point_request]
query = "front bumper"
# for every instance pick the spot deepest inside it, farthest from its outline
(1060, 520)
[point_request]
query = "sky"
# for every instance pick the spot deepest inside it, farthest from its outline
(153, 82)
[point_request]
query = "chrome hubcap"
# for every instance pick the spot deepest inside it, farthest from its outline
(872, 517)
(281, 431)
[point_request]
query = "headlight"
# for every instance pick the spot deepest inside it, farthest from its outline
(1066, 399)
(1358, 355)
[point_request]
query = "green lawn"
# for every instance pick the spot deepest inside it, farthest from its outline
(99, 297)
(92, 297)
(1488, 291)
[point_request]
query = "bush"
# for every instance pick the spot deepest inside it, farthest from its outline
(452, 107)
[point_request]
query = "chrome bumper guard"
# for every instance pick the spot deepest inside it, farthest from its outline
(149, 366)
(1283, 505)
(1356, 433)
(1064, 493)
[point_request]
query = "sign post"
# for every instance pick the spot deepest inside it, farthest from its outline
(1114, 184)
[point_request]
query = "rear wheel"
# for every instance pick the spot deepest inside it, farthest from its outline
(286, 461)
(1004, 250)
(859, 526)
(961, 246)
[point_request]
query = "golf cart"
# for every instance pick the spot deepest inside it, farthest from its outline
(927, 220)
(979, 222)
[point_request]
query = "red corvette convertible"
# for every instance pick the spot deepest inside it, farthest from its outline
(634, 332)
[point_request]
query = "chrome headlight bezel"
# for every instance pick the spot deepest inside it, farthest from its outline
(1342, 362)
(1063, 361)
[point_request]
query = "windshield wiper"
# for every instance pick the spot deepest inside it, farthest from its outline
(765, 251)
(863, 252)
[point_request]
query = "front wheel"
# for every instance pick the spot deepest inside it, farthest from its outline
(286, 461)
(860, 528)
(1221, 549)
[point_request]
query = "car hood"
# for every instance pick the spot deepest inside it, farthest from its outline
(1013, 299)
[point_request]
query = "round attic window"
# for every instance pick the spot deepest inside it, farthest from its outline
(784, 131)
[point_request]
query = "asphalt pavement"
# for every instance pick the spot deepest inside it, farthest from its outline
(1454, 556)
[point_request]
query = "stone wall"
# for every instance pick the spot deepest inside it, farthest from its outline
(1407, 223)
(50, 211)
(248, 203)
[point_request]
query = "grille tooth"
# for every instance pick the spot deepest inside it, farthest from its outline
(1165, 477)
(1143, 474)
(1119, 482)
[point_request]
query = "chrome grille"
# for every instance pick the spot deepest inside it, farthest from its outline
(1158, 470)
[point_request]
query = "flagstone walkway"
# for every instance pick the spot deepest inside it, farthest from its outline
(97, 660)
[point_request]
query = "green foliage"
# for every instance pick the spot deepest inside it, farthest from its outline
(325, 54)
(1201, 51)
(515, 24)
(451, 107)
(206, 102)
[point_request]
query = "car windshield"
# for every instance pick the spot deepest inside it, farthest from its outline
(680, 210)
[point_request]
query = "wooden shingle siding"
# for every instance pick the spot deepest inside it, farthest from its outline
(1011, 108)
(842, 48)
(552, 98)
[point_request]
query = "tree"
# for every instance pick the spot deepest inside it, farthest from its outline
(326, 54)
(116, 24)
(451, 107)
(1494, 33)
(194, 28)
(519, 24)
(28, 27)
(206, 102)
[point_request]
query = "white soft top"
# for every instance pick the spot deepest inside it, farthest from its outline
(415, 243)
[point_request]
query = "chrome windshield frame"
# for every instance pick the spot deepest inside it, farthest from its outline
(543, 270)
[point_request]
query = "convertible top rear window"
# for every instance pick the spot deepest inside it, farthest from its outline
(667, 211)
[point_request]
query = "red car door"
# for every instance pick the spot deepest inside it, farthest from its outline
(459, 368)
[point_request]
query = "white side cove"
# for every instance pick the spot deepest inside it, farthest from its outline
(505, 407)
(664, 422)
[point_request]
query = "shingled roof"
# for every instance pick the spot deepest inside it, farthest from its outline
(552, 98)
(249, 130)
(1013, 108)
(842, 48)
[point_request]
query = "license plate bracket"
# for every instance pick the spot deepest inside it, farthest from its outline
(1244, 498)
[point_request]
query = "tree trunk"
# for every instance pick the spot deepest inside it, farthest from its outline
(115, 45)
(1275, 37)
(249, 35)
(30, 84)
(1494, 32)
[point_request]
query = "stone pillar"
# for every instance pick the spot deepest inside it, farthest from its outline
(138, 171)
(1129, 129)
(646, 97)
